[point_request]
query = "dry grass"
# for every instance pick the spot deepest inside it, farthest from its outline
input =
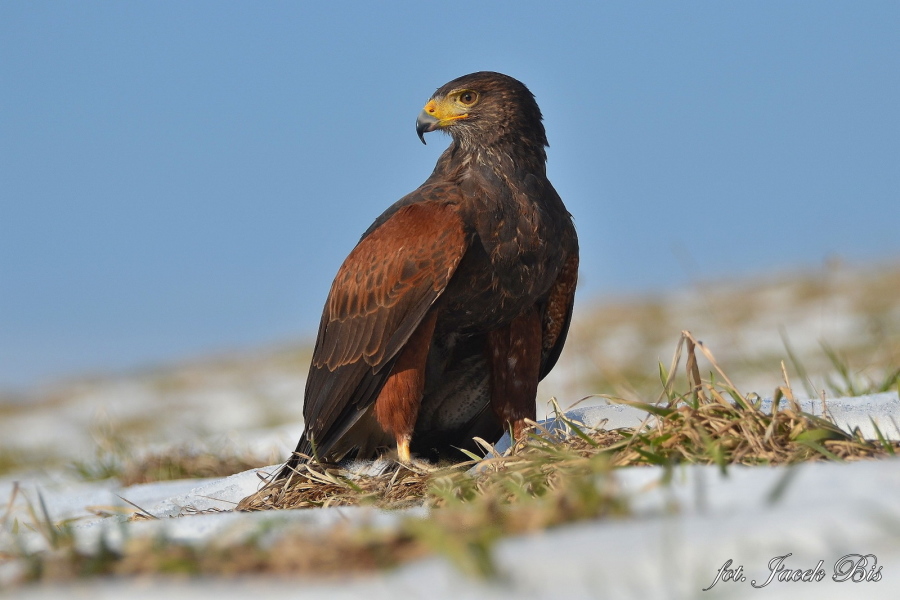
(710, 423)
(713, 423)
(184, 463)
(339, 552)
(180, 462)
(114, 456)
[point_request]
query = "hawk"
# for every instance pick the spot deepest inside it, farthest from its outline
(456, 301)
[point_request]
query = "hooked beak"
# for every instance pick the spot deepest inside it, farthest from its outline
(426, 123)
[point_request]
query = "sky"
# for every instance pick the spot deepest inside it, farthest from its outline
(179, 179)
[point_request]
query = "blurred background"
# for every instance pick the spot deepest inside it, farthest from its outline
(180, 181)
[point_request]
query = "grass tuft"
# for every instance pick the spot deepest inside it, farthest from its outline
(711, 422)
(114, 457)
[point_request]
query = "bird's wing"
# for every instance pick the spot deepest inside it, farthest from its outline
(378, 298)
(558, 314)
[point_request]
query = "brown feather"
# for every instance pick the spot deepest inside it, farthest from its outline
(515, 360)
(398, 401)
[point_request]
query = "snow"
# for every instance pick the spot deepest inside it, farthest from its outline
(827, 511)
(672, 546)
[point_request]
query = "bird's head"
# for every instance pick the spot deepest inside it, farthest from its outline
(482, 109)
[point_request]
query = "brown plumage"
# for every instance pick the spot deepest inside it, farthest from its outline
(457, 300)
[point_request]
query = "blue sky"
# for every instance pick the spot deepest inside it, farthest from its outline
(181, 178)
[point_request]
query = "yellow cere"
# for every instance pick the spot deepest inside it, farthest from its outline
(444, 110)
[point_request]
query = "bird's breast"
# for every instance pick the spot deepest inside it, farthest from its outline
(512, 262)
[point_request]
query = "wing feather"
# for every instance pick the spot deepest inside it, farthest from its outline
(558, 314)
(379, 296)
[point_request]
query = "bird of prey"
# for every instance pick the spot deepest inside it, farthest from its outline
(456, 301)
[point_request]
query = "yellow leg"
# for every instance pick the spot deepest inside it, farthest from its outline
(403, 450)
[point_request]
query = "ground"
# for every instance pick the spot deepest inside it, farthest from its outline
(837, 331)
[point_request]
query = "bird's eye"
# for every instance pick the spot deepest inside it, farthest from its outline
(468, 98)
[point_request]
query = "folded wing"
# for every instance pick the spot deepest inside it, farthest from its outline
(379, 296)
